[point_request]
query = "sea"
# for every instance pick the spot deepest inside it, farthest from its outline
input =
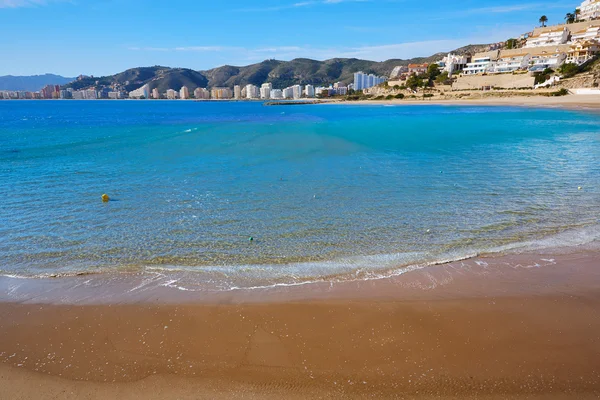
(242, 195)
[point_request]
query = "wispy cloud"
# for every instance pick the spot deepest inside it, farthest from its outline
(375, 53)
(504, 9)
(26, 3)
(301, 4)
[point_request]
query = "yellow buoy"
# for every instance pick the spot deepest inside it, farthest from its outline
(105, 198)
(579, 188)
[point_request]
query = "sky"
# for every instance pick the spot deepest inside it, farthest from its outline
(103, 37)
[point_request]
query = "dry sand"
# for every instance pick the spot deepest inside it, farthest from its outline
(570, 101)
(497, 329)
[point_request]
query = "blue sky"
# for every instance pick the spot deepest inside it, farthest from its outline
(100, 37)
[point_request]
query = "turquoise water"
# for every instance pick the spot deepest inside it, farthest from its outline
(324, 191)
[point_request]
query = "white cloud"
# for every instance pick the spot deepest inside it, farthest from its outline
(26, 3)
(300, 5)
(375, 53)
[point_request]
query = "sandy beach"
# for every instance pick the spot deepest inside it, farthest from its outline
(572, 101)
(523, 326)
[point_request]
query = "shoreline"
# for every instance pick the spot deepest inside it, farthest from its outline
(571, 101)
(409, 282)
(504, 327)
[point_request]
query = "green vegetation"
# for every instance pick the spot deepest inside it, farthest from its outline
(443, 79)
(572, 17)
(511, 44)
(389, 97)
(541, 77)
(561, 92)
(413, 82)
(543, 19)
(399, 96)
(568, 70)
(433, 71)
(427, 95)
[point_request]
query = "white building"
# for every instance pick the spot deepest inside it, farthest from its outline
(399, 70)
(265, 91)
(155, 94)
(288, 93)
(589, 9)
(550, 37)
(143, 92)
(276, 94)
(590, 33)
(582, 52)
(91, 94)
(171, 94)
(252, 92)
(221, 93)
(364, 81)
(114, 95)
(540, 62)
(297, 91)
(237, 92)
(480, 63)
(511, 63)
(309, 91)
(341, 90)
(453, 63)
(184, 93)
(201, 94)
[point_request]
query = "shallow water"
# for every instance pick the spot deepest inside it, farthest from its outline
(324, 191)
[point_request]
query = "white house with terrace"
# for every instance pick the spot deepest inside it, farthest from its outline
(550, 37)
(589, 9)
(540, 62)
(582, 51)
(590, 33)
(511, 63)
(480, 63)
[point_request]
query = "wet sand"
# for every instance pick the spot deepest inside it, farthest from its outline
(484, 328)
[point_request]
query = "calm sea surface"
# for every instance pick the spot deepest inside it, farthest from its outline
(324, 191)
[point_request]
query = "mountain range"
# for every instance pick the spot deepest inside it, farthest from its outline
(31, 83)
(301, 71)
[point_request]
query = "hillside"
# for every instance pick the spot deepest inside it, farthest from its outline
(162, 78)
(306, 71)
(281, 74)
(31, 83)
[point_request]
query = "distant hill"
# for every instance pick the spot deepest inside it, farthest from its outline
(281, 74)
(31, 83)
(159, 77)
(303, 71)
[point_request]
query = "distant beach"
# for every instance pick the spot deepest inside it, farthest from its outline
(529, 100)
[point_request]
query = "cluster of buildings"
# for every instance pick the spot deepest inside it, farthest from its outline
(55, 92)
(249, 92)
(363, 81)
(545, 47)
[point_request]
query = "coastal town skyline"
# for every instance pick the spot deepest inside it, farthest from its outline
(318, 30)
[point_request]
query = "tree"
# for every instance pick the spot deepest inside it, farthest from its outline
(570, 18)
(511, 44)
(433, 71)
(414, 82)
(442, 79)
(543, 20)
(568, 70)
(576, 13)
